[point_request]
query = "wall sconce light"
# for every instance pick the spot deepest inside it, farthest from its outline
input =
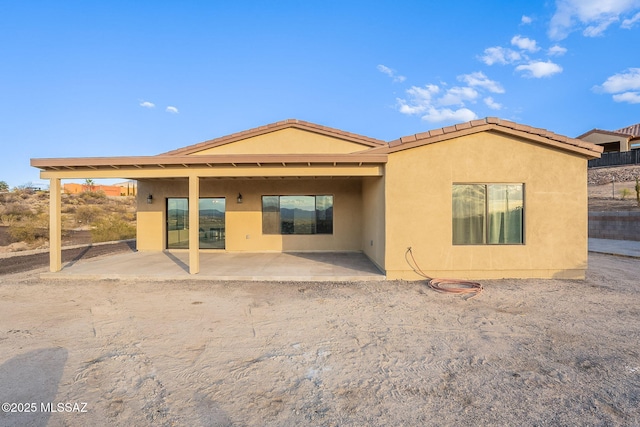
(149, 199)
(239, 198)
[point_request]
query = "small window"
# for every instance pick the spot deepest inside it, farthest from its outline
(490, 214)
(297, 214)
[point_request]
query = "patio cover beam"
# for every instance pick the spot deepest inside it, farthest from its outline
(219, 171)
(194, 224)
(55, 225)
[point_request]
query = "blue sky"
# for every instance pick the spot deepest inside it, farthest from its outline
(88, 78)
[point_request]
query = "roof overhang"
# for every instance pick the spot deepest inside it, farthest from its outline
(493, 124)
(212, 166)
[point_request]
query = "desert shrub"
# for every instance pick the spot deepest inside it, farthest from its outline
(94, 197)
(71, 202)
(67, 208)
(129, 200)
(624, 193)
(112, 228)
(23, 191)
(17, 210)
(29, 231)
(8, 219)
(8, 197)
(120, 209)
(87, 214)
(129, 216)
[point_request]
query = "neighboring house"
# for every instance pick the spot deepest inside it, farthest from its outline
(484, 199)
(620, 140)
(127, 188)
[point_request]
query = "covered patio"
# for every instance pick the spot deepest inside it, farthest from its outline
(273, 266)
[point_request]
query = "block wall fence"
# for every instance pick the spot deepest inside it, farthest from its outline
(614, 225)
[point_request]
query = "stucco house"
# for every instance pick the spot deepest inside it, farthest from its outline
(488, 198)
(621, 140)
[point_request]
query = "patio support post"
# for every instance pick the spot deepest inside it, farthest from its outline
(194, 224)
(55, 226)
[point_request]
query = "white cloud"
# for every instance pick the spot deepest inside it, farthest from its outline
(599, 28)
(478, 79)
(622, 82)
(526, 19)
(420, 99)
(629, 23)
(385, 70)
(539, 69)
(492, 104)
(499, 55)
(433, 103)
(630, 97)
(458, 95)
(624, 86)
(556, 50)
(424, 95)
(525, 43)
(446, 114)
(595, 15)
(391, 73)
(171, 109)
(147, 104)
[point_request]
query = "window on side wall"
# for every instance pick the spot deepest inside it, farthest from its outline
(488, 214)
(297, 214)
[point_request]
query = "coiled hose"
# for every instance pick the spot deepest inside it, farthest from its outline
(453, 286)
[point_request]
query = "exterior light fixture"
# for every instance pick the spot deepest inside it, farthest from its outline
(239, 198)
(149, 199)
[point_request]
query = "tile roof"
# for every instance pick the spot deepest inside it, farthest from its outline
(630, 130)
(289, 123)
(605, 132)
(493, 123)
(375, 153)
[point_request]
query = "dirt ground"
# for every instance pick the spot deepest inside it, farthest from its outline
(610, 197)
(524, 352)
(29, 260)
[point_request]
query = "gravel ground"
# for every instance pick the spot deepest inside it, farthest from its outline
(29, 260)
(524, 352)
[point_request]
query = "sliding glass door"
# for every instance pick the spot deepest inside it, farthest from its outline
(177, 223)
(211, 234)
(212, 228)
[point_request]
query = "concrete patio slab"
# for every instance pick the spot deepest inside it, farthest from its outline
(277, 266)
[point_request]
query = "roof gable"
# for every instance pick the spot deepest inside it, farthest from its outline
(602, 133)
(494, 124)
(285, 137)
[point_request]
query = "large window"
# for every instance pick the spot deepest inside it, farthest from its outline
(212, 223)
(297, 214)
(488, 214)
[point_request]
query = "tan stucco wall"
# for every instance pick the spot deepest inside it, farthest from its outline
(603, 138)
(244, 221)
(287, 141)
(418, 211)
(373, 221)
